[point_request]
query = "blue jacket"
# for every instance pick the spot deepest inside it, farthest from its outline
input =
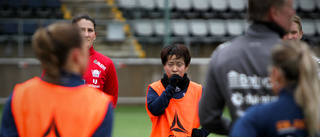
(281, 118)
(8, 126)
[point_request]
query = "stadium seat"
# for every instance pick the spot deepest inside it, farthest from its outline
(219, 9)
(127, 3)
(146, 4)
(147, 7)
(237, 5)
(180, 28)
(218, 5)
(307, 5)
(237, 8)
(15, 3)
(200, 5)
(10, 28)
(115, 32)
(235, 27)
(30, 27)
(183, 5)
(34, 5)
(198, 27)
(143, 28)
(16, 7)
(308, 27)
(217, 27)
(54, 7)
(160, 4)
(183, 9)
(159, 27)
(5, 10)
(128, 8)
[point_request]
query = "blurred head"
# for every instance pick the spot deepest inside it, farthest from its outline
(175, 59)
(295, 32)
(59, 47)
(87, 27)
(278, 11)
(292, 63)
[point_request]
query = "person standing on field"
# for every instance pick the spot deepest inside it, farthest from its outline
(172, 102)
(58, 104)
(101, 73)
(237, 75)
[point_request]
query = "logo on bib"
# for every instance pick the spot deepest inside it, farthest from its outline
(95, 73)
(176, 125)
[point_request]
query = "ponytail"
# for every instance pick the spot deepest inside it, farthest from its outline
(52, 46)
(298, 66)
(307, 94)
(44, 50)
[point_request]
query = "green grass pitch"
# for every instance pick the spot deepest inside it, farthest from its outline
(130, 121)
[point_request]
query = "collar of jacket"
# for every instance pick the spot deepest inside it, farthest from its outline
(182, 84)
(273, 26)
(91, 50)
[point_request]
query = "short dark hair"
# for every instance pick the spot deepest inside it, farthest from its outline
(86, 16)
(176, 49)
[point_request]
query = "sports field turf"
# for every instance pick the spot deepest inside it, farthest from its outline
(130, 121)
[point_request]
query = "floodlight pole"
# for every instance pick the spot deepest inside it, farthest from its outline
(167, 25)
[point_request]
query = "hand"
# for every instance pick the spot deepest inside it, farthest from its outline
(174, 79)
(196, 133)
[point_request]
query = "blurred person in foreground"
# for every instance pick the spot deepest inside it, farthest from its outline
(296, 112)
(172, 102)
(58, 104)
(237, 75)
(101, 73)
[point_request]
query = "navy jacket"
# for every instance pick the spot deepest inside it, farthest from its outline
(277, 119)
(157, 104)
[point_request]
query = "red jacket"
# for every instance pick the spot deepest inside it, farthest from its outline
(101, 74)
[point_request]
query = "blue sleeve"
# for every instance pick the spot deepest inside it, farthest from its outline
(157, 104)
(8, 126)
(248, 125)
(105, 128)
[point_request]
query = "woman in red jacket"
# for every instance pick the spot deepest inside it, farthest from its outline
(101, 73)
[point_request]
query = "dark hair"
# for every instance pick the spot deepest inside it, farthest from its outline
(176, 49)
(52, 46)
(86, 16)
(257, 9)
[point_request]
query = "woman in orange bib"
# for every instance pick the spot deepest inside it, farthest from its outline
(59, 104)
(172, 102)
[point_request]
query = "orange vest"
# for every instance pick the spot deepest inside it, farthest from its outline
(70, 111)
(181, 115)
